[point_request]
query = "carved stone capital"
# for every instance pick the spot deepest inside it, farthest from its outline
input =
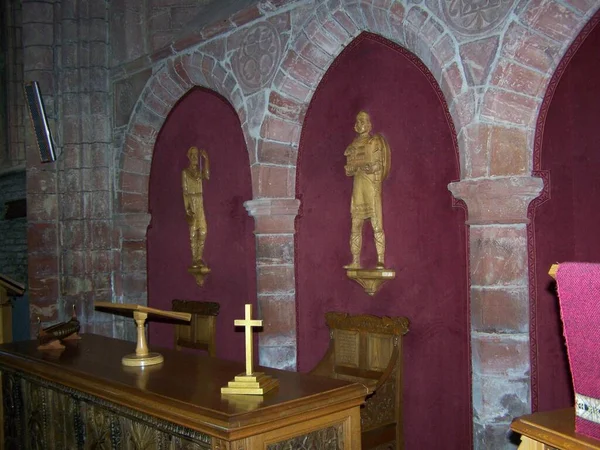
(273, 215)
(497, 200)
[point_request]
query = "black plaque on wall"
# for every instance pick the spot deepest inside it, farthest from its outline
(37, 113)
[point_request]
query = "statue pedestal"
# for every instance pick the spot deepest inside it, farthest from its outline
(371, 279)
(199, 273)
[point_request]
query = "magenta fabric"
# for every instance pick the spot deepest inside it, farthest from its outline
(579, 293)
(568, 156)
(203, 119)
(425, 235)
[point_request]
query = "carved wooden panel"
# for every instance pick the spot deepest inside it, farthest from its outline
(380, 407)
(98, 427)
(388, 446)
(46, 416)
(346, 348)
(379, 351)
(373, 345)
(13, 412)
(326, 439)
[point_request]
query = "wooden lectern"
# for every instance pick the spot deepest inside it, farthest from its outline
(142, 355)
(8, 287)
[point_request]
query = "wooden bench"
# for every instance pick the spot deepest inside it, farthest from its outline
(368, 349)
(200, 333)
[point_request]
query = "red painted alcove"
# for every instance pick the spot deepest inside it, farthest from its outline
(204, 119)
(566, 217)
(426, 236)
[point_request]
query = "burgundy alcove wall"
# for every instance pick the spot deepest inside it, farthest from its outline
(204, 119)
(566, 225)
(426, 236)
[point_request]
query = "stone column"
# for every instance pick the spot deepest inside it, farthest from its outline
(84, 173)
(40, 50)
(276, 289)
(500, 356)
(130, 277)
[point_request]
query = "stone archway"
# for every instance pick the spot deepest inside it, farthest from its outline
(162, 92)
(493, 83)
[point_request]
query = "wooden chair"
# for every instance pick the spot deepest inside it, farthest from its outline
(368, 349)
(201, 331)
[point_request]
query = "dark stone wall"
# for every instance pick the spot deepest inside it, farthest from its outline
(12, 103)
(13, 233)
(13, 249)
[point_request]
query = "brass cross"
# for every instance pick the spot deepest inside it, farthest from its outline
(248, 323)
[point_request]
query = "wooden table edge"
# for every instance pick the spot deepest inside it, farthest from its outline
(216, 424)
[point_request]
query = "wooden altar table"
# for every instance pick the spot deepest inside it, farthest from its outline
(552, 430)
(84, 397)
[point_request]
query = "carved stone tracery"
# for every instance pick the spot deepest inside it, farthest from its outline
(475, 16)
(258, 57)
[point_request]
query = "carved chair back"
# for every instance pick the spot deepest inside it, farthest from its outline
(368, 349)
(200, 333)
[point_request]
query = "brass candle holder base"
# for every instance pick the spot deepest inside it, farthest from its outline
(255, 384)
(371, 279)
(142, 355)
(135, 360)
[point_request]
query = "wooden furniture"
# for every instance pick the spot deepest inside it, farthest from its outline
(142, 355)
(201, 332)
(250, 382)
(84, 394)
(8, 288)
(551, 430)
(368, 350)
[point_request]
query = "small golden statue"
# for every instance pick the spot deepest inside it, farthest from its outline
(368, 161)
(191, 181)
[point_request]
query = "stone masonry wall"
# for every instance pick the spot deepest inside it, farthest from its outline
(13, 248)
(13, 233)
(13, 155)
(88, 214)
(69, 202)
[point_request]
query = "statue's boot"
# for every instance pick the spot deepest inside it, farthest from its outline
(353, 265)
(355, 245)
(380, 247)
